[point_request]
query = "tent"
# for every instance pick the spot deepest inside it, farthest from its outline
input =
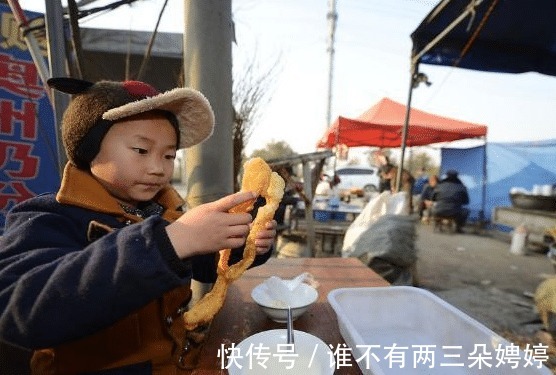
(500, 36)
(381, 126)
(510, 36)
(509, 164)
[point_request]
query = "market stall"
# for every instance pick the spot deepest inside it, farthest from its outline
(492, 36)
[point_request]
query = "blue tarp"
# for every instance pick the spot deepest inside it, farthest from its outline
(508, 165)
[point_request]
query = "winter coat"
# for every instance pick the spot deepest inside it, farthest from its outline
(449, 196)
(97, 287)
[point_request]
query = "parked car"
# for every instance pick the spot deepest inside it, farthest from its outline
(358, 180)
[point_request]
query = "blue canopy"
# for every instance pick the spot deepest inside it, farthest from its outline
(504, 36)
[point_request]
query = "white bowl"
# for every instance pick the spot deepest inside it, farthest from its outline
(300, 300)
(267, 353)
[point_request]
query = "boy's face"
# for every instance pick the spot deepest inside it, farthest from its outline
(136, 158)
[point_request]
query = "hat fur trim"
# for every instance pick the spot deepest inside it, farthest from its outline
(192, 110)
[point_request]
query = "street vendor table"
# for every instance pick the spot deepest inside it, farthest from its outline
(240, 317)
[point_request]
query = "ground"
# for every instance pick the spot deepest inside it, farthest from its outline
(477, 273)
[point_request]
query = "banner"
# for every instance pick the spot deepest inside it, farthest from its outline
(28, 151)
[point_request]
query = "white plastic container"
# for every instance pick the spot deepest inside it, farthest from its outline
(519, 241)
(407, 330)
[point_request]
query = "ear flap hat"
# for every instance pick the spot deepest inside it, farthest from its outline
(95, 107)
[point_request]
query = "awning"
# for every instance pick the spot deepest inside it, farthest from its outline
(509, 36)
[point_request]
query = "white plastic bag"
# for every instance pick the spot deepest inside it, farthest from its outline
(383, 204)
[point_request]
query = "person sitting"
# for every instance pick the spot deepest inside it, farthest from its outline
(425, 200)
(450, 195)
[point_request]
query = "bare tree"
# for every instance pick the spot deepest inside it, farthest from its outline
(250, 92)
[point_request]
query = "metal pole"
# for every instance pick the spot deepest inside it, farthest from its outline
(405, 128)
(208, 68)
(307, 188)
(31, 42)
(56, 54)
(482, 219)
(332, 17)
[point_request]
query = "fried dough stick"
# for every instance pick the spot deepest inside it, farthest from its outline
(257, 177)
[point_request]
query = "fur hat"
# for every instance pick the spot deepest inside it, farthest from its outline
(95, 107)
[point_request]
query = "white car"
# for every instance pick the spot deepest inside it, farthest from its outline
(358, 180)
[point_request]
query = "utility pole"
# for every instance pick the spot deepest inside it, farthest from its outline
(56, 57)
(208, 68)
(332, 17)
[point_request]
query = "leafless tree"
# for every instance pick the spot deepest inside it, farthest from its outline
(250, 92)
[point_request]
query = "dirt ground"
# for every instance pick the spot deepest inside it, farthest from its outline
(478, 274)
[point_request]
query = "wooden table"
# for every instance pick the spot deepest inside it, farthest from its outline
(240, 317)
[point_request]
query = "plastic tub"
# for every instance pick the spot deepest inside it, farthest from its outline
(407, 330)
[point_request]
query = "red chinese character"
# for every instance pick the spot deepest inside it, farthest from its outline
(27, 117)
(16, 160)
(20, 77)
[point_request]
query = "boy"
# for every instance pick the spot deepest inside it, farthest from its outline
(99, 272)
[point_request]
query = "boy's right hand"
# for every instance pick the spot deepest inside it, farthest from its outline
(209, 227)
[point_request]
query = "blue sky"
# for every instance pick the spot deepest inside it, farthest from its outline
(371, 61)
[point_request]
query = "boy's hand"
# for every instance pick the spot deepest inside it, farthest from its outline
(266, 237)
(210, 227)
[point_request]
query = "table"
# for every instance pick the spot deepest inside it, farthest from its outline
(536, 221)
(240, 317)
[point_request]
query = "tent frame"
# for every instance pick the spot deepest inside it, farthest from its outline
(416, 79)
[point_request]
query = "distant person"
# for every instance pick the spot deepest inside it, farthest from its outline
(420, 182)
(450, 195)
(328, 186)
(388, 176)
(425, 200)
(384, 167)
(293, 193)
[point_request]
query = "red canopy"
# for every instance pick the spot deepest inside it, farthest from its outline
(381, 126)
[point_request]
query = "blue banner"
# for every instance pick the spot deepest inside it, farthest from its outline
(28, 151)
